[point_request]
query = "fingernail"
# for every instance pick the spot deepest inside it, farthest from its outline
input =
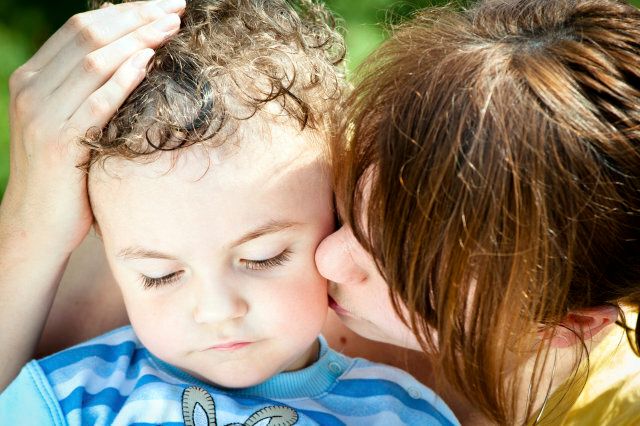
(141, 58)
(168, 23)
(172, 5)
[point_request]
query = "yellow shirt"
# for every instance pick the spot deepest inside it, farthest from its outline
(611, 394)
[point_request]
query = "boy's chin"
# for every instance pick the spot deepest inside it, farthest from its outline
(237, 381)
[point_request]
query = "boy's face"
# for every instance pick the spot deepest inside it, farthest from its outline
(215, 258)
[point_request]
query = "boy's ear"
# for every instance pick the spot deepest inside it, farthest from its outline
(582, 325)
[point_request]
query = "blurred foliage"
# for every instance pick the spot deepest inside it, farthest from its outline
(14, 50)
(366, 21)
(27, 24)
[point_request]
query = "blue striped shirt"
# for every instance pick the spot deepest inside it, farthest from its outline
(113, 379)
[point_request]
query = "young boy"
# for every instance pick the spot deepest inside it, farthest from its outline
(210, 193)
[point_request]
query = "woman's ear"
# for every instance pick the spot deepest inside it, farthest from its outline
(582, 325)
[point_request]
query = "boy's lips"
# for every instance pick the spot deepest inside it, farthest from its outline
(231, 346)
(337, 308)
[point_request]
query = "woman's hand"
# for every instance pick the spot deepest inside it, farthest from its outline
(74, 83)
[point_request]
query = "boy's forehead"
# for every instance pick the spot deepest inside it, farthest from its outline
(196, 202)
(271, 139)
(257, 160)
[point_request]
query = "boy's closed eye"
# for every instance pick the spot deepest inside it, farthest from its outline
(272, 262)
(253, 265)
(149, 282)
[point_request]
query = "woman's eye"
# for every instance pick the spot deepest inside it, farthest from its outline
(148, 282)
(259, 265)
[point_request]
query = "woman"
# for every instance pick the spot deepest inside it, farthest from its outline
(492, 173)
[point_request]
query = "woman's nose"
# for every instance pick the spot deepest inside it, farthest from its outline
(217, 304)
(335, 258)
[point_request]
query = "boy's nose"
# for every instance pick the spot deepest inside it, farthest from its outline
(218, 303)
(335, 258)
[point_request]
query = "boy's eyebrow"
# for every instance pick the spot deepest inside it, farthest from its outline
(269, 228)
(139, 253)
(130, 253)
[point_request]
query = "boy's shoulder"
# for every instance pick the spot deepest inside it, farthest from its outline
(111, 348)
(377, 375)
(91, 375)
(383, 387)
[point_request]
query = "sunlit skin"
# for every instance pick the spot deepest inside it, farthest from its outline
(226, 240)
(360, 296)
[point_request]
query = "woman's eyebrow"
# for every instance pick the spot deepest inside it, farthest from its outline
(268, 228)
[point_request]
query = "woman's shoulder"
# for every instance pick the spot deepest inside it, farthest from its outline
(611, 394)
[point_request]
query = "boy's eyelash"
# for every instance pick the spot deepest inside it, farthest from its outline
(149, 282)
(254, 265)
(259, 265)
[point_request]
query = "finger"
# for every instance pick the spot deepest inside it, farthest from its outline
(93, 29)
(98, 66)
(105, 4)
(100, 106)
(86, 56)
(64, 34)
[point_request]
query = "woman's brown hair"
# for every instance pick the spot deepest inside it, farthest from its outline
(499, 150)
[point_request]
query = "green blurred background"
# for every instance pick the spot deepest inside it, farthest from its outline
(27, 24)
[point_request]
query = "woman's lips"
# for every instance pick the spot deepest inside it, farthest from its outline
(230, 346)
(337, 308)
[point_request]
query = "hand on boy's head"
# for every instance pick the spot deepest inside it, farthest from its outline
(74, 83)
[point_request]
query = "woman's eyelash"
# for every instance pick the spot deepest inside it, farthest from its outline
(149, 282)
(259, 265)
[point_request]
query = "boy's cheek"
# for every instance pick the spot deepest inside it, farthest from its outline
(303, 293)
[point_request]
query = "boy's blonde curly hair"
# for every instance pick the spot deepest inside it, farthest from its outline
(230, 59)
